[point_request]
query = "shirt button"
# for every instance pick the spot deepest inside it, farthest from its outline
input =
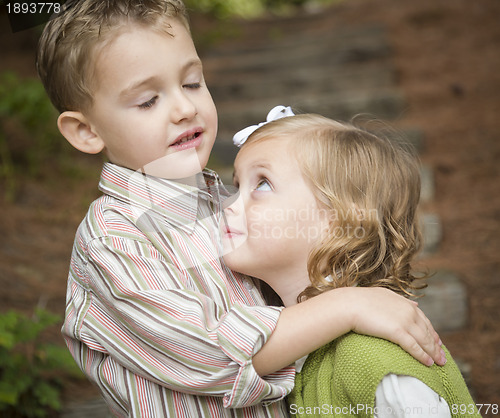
(248, 284)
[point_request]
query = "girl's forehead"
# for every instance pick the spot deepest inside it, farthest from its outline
(273, 154)
(265, 146)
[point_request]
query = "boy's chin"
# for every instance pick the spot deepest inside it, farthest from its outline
(175, 166)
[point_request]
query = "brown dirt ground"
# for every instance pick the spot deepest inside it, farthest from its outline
(447, 55)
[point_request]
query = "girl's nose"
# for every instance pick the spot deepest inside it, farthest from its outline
(233, 204)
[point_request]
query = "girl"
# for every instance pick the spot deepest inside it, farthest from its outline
(324, 205)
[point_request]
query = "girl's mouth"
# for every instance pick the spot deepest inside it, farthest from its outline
(229, 232)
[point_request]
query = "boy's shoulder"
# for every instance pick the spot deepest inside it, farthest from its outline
(108, 217)
(134, 206)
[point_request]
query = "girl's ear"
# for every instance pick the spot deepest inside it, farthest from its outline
(75, 127)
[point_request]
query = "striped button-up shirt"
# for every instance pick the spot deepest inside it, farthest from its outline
(154, 317)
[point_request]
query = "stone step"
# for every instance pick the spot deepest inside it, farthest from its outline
(432, 233)
(224, 153)
(382, 104)
(289, 57)
(353, 44)
(279, 82)
(427, 192)
(445, 301)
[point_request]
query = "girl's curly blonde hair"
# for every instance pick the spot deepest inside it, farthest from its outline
(370, 188)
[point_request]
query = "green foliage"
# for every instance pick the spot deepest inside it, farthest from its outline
(30, 371)
(226, 8)
(281, 3)
(244, 8)
(29, 139)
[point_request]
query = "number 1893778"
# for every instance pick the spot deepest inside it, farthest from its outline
(483, 408)
(32, 8)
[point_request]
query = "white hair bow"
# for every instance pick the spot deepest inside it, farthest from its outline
(276, 113)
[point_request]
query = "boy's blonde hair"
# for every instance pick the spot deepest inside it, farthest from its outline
(70, 42)
(370, 189)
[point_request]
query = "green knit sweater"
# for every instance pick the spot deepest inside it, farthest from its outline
(340, 379)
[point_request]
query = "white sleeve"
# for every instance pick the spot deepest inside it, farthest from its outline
(408, 397)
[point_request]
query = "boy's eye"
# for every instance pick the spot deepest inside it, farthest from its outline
(263, 186)
(192, 86)
(149, 103)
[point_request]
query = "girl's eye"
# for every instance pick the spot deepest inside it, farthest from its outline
(150, 103)
(263, 186)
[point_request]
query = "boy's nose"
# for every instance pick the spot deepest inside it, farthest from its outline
(183, 109)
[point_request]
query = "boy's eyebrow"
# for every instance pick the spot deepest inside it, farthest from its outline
(129, 90)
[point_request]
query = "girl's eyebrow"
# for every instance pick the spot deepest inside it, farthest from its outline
(261, 165)
(257, 164)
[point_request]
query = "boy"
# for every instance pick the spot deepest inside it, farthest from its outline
(153, 317)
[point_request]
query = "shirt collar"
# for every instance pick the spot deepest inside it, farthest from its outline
(160, 199)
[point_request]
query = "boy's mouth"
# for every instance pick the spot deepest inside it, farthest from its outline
(188, 139)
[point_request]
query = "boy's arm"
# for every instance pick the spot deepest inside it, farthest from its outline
(304, 327)
(133, 305)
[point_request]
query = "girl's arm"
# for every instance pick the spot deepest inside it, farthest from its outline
(417, 399)
(305, 327)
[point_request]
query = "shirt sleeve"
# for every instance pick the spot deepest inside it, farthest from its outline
(165, 330)
(408, 397)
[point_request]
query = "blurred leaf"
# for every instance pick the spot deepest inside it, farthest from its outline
(30, 371)
(29, 138)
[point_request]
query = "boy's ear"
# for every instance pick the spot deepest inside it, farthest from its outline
(75, 127)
